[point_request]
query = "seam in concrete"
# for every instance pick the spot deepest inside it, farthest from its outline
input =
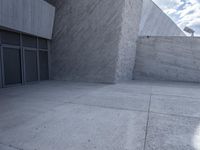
(147, 123)
(11, 146)
(195, 98)
(174, 115)
(106, 107)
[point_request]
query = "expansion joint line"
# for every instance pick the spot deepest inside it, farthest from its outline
(147, 123)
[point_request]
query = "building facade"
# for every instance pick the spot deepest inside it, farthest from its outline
(90, 40)
(25, 31)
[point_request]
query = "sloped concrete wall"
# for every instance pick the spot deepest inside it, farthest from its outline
(168, 58)
(87, 37)
(154, 22)
(34, 17)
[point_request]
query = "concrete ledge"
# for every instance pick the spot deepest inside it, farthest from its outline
(34, 17)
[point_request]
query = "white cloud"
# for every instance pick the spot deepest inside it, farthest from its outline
(169, 4)
(183, 12)
(170, 11)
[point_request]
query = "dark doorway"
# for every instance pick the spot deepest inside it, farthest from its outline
(31, 65)
(12, 66)
(44, 68)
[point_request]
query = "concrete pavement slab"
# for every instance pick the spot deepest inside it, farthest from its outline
(175, 105)
(172, 133)
(5, 147)
(77, 127)
(184, 91)
(115, 99)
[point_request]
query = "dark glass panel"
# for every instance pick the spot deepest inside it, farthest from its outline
(12, 66)
(29, 41)
(42, 43)
(10, 38)
(44, 68)
(31, 66)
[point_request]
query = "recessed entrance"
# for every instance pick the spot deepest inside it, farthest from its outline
(23, 58)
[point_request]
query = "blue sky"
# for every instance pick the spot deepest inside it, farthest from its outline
(183, 12)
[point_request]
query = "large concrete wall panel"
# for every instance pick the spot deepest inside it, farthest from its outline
(168, 58)
(34, 17)
(85, 40)
(88, 36)
(154, 22)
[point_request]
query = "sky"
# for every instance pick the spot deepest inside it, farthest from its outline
(182, 12)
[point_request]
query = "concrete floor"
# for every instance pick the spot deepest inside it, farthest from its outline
(81, 116)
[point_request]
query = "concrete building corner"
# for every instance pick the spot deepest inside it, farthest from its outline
(129, 33)
(95, 41)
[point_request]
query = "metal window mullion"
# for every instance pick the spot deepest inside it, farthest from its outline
(0, 38)
(45, 50)
(2, 68)
(24, 66)
(1, 78)
(30, 48)
(23, 73)
(10, 46)
(38, 60)
(49, 59)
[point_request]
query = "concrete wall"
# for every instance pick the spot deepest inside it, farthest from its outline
(128, 37)
(28, 16)
(154, 22)
(87, 37)
(168, 58)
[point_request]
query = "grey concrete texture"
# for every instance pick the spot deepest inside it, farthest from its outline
(34, 17)
(46, 122)
(128, 37)
(172, 133)
(114, 99)
(168, 58)
(137, 115)
(175, 105)
(154, 22)
(84, 127)
(4, 147)
(95, 40)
